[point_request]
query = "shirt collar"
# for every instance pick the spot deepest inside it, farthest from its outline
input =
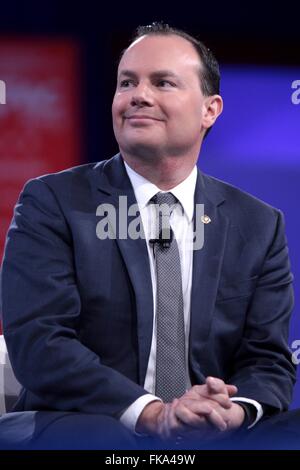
(144, 190)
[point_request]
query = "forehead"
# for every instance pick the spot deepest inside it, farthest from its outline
(160, 52)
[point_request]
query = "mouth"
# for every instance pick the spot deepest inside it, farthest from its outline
(140, 117)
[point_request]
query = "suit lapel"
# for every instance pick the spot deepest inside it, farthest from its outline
(207, 263)
(112, 182)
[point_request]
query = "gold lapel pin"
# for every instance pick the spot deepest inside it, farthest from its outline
(205, 219)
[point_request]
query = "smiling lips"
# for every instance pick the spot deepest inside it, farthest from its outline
(142, 117)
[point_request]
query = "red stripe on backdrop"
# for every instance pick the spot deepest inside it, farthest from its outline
(39, 122)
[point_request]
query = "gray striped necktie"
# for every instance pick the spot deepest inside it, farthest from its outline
(170, 347)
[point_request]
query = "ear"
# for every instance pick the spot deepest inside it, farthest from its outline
(213, 107)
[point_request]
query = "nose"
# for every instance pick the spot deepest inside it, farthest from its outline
(141, 96)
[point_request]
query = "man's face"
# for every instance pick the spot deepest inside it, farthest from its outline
(158, 106)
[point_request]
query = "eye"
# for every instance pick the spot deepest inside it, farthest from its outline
(125, 83)
(165, 83)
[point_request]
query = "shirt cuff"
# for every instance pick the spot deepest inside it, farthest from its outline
(258, 407)
(130, 416)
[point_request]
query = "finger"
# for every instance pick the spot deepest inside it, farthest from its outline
(216, 420)
(202, 392)
(209, 410)
(232, 390)
(195, 391)
(222, 399)
(192, 413)
(216, 385)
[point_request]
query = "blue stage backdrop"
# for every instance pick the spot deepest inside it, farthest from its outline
(255, 145)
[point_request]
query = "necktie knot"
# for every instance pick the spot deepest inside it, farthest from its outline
(164, 205)
(164, 198)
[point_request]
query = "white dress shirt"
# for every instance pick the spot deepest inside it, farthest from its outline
(181, 221)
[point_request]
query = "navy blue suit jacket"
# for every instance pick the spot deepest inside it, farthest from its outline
(78, 311)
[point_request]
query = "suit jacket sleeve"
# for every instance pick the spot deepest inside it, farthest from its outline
(41, 312)
(263, 368)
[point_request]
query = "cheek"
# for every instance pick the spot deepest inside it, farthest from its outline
(121, 100)
(115, 109)
(118, 107)
(193, 117)
(185, 115)
(185, 121)
(184, 107)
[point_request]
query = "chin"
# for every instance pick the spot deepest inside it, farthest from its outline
(142, 149)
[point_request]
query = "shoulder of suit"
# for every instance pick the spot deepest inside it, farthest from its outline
(79, 170)
(73, 181)
(78, 173)
(236, 197)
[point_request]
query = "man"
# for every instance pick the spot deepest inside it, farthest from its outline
(148, 334)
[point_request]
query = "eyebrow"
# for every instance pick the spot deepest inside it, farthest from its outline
(156, 74)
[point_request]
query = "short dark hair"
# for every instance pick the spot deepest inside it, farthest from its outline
(209, 72)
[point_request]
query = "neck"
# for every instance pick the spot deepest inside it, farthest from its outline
(165, 173)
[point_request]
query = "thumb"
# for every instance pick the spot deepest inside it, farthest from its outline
(215, 385)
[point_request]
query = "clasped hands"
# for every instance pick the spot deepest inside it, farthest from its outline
(205, 412)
